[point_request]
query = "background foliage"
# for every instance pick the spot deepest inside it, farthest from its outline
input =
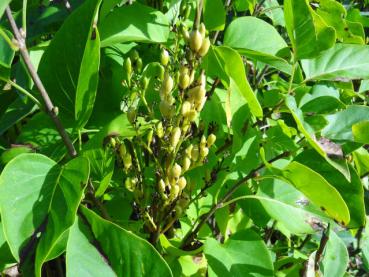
(277, 147)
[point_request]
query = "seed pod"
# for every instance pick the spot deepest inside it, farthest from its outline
(161, 72)
(176, 135)
(192, 76)
(184, 81)
(139, 65)
(202, 79)
(191, 115)
(182, 183)
(164, 57)
(128, 66)
(204, 47)
(176, 171)
(185, 126)
(131, 115)
(165, 108)
(150, 135)
(186, 107)
(204, 152)
(113, 142)
(185, 34)
(130, 184)
(161, 186)
(197, 93)
(195, 40)
(186, 163)
(200, 105)
(202, 30)
(168, 84)
(122, 150)
(127, 161)
(189, 150)
(134, 55)
(159, 129)
(203, 141)
(144, 83)
(195, 153)
(174, 192)
(178, 209)
(211, 140)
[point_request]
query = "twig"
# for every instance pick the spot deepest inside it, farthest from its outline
(198, 14)
(50, 108)
(323, 243)
(190, 236)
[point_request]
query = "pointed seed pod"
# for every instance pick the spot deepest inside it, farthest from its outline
(195, 153)
(195, 40)
(211, 140)
(134, 55)
(168, 84)
(186, 107)
(178, 209)
(204, 152)
(128, 66)
(164, 57)
(113, 142)
(161, 186)
(203, 141)
(139, 65)
(159, 129)
(176, 171)
(204, 47)
(127, 161)
(184, 81)
(165, 108)
(182, 183)
(192, 115)
(122, 150)
(189, 150)
(186, 163)
(131, 115)
(130, 184)
(176, 135)
(202, 30)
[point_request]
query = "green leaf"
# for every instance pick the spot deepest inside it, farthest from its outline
(31, 178)
(69, 66)
(212, 8)
(308, 32)
(257, 40)
(244, 254)
(360, 132)
(6, 54)
(126, 253)
(317, 190)
(3, 5)
(252, 33)
(361, 159)
(343, 126)
(341, 62)
(63, 207)
(134, 22)
(6, 257)
(235, 69)
(335, 258)
(351, 191)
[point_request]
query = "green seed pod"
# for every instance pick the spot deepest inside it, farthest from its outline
(134, 55)
(178, 209)
(128, 66)
(164, 57)
(202, 30)
(203, 141)
(130, 184)
(165, 108)
(139, 65)
(204, 47)
(167, 84)
(159, 129)
(195, 40)
(113, 142)
(127, 161)
(192, 76)
(150, 135)
(184, 81)
(204, 152)
(144, 83)
(189, 150)
(192, 115)
(200, 105)
(185, 34)
(176, 171)
(211, 140)
(161, 186)
(122, 150)
(182, 183)
(195, 153)
(186, 163)
(176, 135)
(161, 72)
(174, 191)
(131, 115)
(197, 93)
(186, 107)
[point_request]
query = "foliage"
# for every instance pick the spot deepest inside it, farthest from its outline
(184, 138)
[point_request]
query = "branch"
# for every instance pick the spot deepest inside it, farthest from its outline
(323, 243)
(190, 236)
(50, 108)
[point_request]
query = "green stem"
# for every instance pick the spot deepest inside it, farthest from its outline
(8, 39)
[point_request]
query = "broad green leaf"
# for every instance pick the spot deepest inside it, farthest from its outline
(31, 178)
(63, 207)
(13, 152)
(336, 258)
(361, 159)
(69, 66)
(252, 33)
(341, 62)
(3, 5)
(235, 69)
(82, 257)
(134, 22)
(257, 40)
(360, 131)
(6, 54)
(303, 127)
(317, 190)
(274, 11)
(343, 124)
(351, 191)
(6, 257)
(214, 14)
(126, 253)
(243, 254)
(308, 32)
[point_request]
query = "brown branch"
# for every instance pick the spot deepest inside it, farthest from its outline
(323, 243)
(190, 236)
(50, 108)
